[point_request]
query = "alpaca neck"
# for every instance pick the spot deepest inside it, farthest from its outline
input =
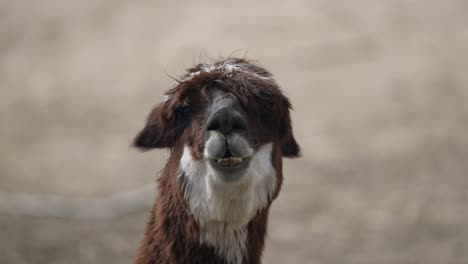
(197, 220)
(223, 210)
(174, 237)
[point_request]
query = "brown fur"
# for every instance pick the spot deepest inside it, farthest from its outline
(172, 234)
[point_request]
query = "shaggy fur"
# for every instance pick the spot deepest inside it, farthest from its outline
(223, 211)
(199, 217)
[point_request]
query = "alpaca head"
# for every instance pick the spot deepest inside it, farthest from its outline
(228, 127)
(224, 112)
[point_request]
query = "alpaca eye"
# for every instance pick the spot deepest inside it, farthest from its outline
(268, 118)
(182, 112)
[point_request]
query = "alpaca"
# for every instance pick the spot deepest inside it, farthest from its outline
(227, 126)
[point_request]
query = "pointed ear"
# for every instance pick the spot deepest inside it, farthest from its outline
(160, 131)
(151, 136)
(290, 148)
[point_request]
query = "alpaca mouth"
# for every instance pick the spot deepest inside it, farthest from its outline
(230, 165)
(228, 156)
(230, 161)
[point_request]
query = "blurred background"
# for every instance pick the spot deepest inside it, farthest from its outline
(379, 88)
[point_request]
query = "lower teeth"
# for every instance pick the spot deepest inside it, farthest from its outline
(229, 161)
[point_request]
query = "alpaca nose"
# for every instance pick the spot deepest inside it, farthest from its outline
(227, 120)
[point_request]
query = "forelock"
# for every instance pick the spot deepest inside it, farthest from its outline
(227, 66)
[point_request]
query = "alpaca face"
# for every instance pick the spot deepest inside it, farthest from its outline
(223, 115)
(232, 101)
(231, 120)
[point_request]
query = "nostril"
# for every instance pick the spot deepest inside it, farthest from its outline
(213, 125)
(226, 121)
(217, 121)
(238, 124)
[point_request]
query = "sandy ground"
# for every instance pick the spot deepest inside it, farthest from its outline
(380, 90)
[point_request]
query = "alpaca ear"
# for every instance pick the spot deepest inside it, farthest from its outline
(161, 130)
(290, 148)
(151, 136)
